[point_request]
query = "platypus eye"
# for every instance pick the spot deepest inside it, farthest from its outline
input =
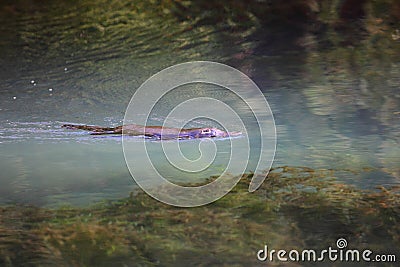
(206, 131)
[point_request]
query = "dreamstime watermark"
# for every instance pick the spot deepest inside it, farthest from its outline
(151, 92)
(340, 253)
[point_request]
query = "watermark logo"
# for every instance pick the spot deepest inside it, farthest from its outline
(153, 90)
(340, 253)
(341, 243)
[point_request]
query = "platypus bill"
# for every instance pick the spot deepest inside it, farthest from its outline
(157, 132)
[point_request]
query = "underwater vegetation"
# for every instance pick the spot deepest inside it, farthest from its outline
(295, 208)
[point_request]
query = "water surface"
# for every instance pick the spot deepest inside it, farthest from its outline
(74, 63)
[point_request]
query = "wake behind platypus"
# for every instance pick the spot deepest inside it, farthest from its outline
(156, 132)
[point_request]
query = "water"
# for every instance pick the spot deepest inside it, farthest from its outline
(74, 63)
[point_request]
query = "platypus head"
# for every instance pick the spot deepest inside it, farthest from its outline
(214, 132)
(211, 132)
(206, 133)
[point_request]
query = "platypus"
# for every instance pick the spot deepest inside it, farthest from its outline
(156, 132)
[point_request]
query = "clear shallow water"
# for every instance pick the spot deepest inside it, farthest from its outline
(78, 64)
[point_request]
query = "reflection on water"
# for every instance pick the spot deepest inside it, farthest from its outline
(336, 106)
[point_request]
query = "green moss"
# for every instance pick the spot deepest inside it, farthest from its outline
(295, 208)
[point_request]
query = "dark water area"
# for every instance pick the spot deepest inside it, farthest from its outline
(330, 71)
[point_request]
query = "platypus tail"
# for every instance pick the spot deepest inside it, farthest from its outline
(95, 130)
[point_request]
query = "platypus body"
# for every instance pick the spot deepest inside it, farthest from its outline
(156, 132)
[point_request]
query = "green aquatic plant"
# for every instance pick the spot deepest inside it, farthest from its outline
(295, 208)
